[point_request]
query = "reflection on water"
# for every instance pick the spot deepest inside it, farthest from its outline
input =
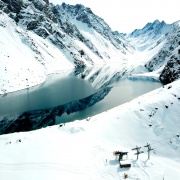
(67, 97)
(57, 90)
(123, 91)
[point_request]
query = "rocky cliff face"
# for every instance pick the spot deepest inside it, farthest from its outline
(168, 57)
(44, 21)
(171, 72)
(87, 17)
(13, 6)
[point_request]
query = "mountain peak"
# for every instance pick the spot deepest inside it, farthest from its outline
(151, 29)
(156, 21)
(79, 6)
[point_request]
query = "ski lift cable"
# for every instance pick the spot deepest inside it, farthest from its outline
(165, 139)
(160, 146)
(164, 145)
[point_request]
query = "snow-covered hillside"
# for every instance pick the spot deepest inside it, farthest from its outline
(84, 149)
(38, 38)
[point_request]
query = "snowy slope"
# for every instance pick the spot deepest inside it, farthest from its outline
(16, 59)
(84, 149)
(50, 42)
(25, 53)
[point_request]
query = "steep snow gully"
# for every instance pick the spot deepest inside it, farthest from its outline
(40, 42)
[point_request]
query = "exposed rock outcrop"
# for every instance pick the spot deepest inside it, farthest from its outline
(171, 72)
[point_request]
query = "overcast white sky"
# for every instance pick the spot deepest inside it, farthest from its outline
(127, 15)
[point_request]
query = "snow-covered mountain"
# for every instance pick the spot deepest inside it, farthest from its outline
(158, 44)
(168, 58)
(151, 34)
(83, 17)
(42, 38)
(152, 30)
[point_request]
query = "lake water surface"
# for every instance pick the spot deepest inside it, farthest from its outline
(123, 91)
(59, 90)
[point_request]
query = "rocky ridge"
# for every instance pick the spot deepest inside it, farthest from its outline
(150, 36)
(86, 16)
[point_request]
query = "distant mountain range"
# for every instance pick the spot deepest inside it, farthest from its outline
(163, 40)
